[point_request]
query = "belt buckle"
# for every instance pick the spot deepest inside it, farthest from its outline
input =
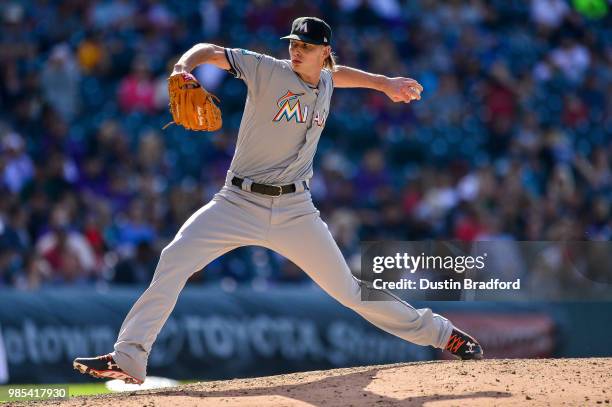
(280, 190)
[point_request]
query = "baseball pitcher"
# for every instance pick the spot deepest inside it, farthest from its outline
(266, 198)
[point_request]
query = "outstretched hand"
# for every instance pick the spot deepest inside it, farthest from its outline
(403, 89)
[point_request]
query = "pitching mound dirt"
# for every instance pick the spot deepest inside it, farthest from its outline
(505, 382)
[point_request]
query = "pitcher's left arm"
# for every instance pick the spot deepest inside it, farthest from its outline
(398, 89)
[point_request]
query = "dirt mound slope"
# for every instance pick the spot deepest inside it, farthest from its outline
(500, 382)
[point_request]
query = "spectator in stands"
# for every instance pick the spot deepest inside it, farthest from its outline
(137, 90)
(137, 269)
(60, 80)
(18, 168)
(92, 55)
(68, 255)
(66, 250)
(572, 58)
(549, 13)
(135, 227)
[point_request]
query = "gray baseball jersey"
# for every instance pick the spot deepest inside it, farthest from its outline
(281, 125)
(282, 121)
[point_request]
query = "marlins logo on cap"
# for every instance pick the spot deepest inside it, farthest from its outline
(302, 27)
(310, 29)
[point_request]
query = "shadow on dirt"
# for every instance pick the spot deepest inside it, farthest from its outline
(330, 390)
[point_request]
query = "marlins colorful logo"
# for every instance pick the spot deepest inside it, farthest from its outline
(289, 111)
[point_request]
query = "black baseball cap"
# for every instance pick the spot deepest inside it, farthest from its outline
(310, 29)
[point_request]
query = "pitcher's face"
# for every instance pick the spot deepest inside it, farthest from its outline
(307, 57)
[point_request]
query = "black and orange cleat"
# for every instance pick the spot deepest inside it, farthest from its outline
(103, 367)
(463, 346)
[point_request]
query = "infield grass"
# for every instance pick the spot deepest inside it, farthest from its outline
(74, 389)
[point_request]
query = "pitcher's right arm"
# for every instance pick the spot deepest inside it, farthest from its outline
(202, 54)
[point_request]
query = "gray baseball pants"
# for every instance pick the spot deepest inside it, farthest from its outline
(290, 225)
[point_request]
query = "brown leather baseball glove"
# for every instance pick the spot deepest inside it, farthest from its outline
(191, 105)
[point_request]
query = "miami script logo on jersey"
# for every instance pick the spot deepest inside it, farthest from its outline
(319, 119)
(289, 107)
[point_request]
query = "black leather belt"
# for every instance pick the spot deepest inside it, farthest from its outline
(272, 190)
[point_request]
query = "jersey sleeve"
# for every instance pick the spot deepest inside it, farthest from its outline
(329, 79)
(253, 68)
(330, 76)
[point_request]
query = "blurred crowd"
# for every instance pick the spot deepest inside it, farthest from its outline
(511, 140)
